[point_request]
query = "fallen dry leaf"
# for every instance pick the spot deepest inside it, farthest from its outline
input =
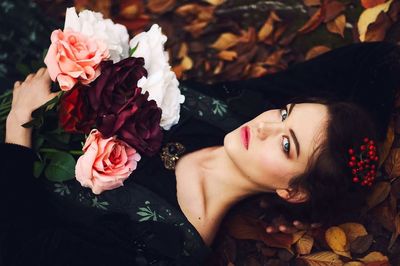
(312, 2)
(257, 71)
(337, 25)
(371, 3)
(275, 57)
(379, 193)
(316, 51)
(374, 256)
(361, 244)
(183, 50)
(215, 2)
(369, 16)
(268, 26)
(377, 31)
(160, 6)
(130, 9)
(332, 10)
(225, 41)
(396, 231)
(353, 230)
(227, 55)
(305, 245)
(324, 258)
(354, 263)
(337, 241)
(313, 23)
(392, 163)
(187, 63)
(387, 145)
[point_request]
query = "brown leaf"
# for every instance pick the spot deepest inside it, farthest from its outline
(316, 51)
(336, 239)
(354, 263)
(369, 16)
(160, 6)
(387, 145)
(313, 23)
(278, 240)
(183, 50)
(312, 2)
(218, 68)
(353, 230)
(392, 163)
(377, 31)
(371, 3)
(130, 9)
(324, 258)
(275, 57)
(187, 63)
(374, 256)
(379, 193)
(257, 71)
(242, 227)
(225, 41)
(227, 55)
(268, 26)
(337, 25)
(396, 232)
(361, 244)
(304, 245)
(196, 28)
(333, 9)
(385, 215)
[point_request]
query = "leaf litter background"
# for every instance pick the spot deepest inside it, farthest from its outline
(216, 40)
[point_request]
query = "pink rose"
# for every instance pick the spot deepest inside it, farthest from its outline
(72, 57)
(106, 163)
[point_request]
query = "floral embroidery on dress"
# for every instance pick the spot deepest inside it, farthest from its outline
(148, 214)
(62, 189)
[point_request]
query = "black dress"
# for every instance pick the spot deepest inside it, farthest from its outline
(141, 223)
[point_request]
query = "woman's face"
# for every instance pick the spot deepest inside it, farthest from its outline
(277, 145)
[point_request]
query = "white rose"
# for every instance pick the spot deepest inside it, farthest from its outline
(92, 24)
(161, 81)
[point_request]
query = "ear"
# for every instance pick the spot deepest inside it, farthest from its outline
(293, 196)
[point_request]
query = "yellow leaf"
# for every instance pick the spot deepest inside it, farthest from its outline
(268, 26)
(183, 50)
(374, 257)
(215, 2)
(227, 55)
(187, 63)
(369, 16)
(353, 230)
(337, 25)
(336, 239)
(324, 258)
(305, 244)
(297, 236)
(353, 263)
(225, 41)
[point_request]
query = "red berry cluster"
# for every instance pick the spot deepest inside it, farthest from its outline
(364, 163)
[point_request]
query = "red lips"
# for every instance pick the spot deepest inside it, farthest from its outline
(245, 135)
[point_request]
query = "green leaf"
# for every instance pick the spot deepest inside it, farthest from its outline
(132, 50)
(38, 167)
(61, 167)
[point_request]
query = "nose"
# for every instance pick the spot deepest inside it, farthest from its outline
(265, 129)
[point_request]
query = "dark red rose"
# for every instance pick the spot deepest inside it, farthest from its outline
(74, 112)
(122, 109)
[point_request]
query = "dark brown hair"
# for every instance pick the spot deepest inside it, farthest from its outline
(328, 178)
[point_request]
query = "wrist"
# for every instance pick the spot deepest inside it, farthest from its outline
(16, 133)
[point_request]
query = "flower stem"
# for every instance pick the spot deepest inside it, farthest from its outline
(49, 150)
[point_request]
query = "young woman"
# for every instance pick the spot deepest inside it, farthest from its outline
(168, 211)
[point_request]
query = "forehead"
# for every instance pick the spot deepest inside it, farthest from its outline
(309, 123)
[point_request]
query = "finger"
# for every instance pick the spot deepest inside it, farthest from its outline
(41, 71)
(46, 75)
(271, 229)
(29, 77)
(288, 229)
(17, 83)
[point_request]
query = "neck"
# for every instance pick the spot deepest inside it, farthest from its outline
(223, 185)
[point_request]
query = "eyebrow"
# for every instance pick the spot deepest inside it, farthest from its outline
(296, 142)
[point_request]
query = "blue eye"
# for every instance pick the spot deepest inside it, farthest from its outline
(285, 145)
(284, 114)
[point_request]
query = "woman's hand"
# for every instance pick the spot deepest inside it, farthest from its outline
(280, 224)
(27, 96)
(30, 95)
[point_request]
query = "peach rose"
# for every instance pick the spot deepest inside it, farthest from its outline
(72, 57)
(106, 163)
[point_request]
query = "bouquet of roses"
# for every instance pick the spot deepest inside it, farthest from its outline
(116, 97)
